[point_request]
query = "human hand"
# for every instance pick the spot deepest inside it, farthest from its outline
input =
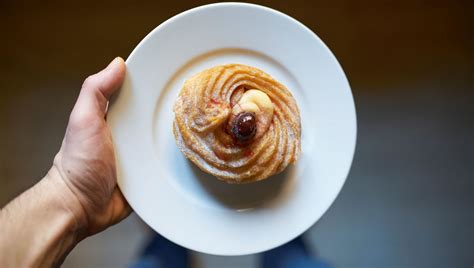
(85, 164)
(79, 195)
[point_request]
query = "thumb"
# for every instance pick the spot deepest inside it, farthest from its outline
(97, 90)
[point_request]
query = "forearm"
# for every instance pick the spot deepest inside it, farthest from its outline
(38, 228)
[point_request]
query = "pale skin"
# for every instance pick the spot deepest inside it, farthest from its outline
(79, 195)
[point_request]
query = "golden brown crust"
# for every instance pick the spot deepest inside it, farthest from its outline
(202, 111)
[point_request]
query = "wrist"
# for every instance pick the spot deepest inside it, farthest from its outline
(62, 224)
(54, 183)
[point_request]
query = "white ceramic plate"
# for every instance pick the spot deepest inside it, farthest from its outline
(196, 210)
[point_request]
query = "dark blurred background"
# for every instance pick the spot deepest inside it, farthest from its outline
(409, 198)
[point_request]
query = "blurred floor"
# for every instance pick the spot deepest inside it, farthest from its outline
(409, 199)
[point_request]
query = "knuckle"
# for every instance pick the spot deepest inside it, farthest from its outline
(89, 82)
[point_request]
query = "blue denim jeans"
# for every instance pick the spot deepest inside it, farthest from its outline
(161, 253)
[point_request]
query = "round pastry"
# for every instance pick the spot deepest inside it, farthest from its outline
(237, 123)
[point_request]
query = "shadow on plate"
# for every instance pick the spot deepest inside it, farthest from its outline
(245, 196)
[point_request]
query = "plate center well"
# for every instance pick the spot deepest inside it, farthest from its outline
(184, 176)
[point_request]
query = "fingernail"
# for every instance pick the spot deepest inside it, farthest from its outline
(114, 62)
